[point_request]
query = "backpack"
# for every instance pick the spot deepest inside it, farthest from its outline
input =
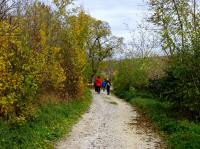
(104, 84)
(109, 84)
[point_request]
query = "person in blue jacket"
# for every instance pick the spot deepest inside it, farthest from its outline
(104, 83)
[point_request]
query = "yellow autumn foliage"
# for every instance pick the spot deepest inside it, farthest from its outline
(41, 50)
(10, 81)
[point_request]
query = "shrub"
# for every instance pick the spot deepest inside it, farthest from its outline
(181, 84)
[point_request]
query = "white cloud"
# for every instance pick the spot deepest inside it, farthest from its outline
(117, 13)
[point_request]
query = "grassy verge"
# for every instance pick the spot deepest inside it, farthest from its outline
(180, 134)
(53, 122)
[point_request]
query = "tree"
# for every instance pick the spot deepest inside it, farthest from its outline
(178, 21)
(74, 52)
(41, 49)
(100, 44)
(144, 43)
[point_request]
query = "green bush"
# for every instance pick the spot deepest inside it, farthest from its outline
(181, 84)
(135, 74)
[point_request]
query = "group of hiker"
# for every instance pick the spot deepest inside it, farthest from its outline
(104, 84)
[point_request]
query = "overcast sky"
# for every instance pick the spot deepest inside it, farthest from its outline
(117, 13)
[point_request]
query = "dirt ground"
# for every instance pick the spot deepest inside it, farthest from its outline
(110, 123)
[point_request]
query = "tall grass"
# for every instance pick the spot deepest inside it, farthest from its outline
(53, 121)
(180, 133)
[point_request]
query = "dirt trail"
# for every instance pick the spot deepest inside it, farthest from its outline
(109, 124)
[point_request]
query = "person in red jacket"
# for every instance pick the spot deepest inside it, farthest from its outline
(98, 84)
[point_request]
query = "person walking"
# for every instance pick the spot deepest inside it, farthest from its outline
(104, 85)
(98, 84)
(108, 85)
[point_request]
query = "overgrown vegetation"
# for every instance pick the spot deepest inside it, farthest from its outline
(137, 73)
(173, 79)
(55, 119)
(46, 47)
(178, 22)
(178, 131)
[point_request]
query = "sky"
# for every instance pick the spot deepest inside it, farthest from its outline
(122, 15)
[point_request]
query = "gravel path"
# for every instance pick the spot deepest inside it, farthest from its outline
(109, 124)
